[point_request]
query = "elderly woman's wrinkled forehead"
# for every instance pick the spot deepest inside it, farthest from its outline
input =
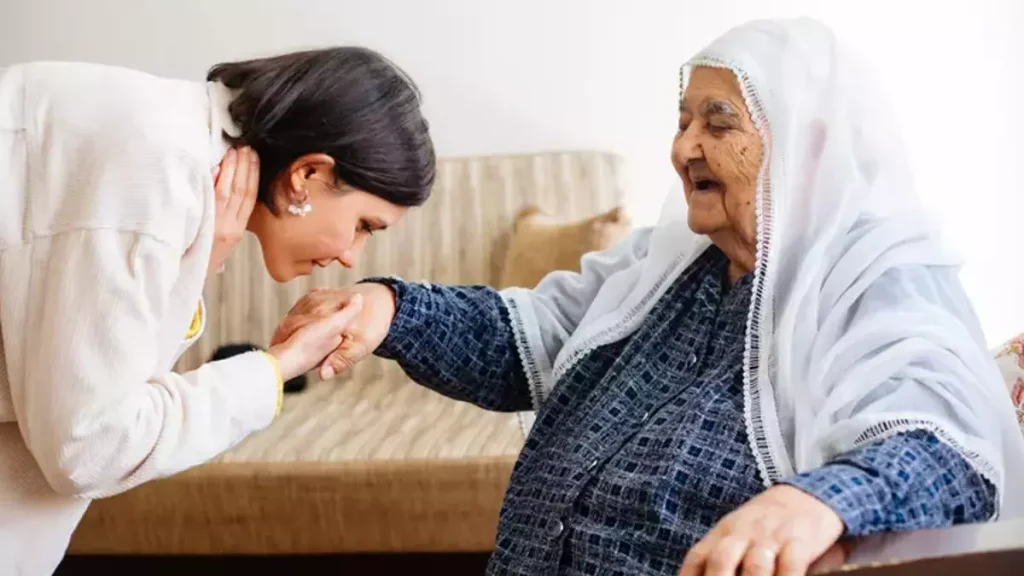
(711, 91)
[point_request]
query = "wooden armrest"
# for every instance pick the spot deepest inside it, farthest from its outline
(991, 549)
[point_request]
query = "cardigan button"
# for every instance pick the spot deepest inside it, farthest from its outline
(556, 529)
(692, 360)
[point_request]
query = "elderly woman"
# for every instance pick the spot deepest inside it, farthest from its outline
(788, 361)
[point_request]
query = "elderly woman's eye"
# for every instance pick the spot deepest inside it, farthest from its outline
(719, 127)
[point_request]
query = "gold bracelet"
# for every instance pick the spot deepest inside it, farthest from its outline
(280, 382)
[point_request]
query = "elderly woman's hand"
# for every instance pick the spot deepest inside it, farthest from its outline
(361, 337)
(781, 531)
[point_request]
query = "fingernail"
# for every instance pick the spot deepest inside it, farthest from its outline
(326, 373)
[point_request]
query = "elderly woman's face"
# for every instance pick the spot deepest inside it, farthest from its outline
(717, 152)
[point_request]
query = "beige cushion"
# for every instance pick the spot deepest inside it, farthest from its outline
(542, 244)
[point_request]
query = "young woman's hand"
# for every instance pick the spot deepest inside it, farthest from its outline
(236, 183)
(361, 337)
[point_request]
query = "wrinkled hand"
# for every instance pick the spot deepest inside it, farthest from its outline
(361, 337)
(781, 531)
(236, 183)
(306, 347)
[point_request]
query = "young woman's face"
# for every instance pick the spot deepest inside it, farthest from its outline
(335, 228)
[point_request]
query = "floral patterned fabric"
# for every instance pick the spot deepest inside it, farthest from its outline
(1010, 359)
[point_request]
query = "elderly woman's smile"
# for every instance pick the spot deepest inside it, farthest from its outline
(717, 153)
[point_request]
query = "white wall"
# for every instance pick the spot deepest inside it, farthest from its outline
(554, 74)
(497, 76)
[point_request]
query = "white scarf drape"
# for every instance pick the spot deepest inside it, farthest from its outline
(858, 326)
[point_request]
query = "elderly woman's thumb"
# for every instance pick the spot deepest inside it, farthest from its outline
(343, 358)
(326, 371)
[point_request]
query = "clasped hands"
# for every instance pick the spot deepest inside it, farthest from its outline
(355, 320)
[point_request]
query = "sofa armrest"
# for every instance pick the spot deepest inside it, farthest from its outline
(992, 549)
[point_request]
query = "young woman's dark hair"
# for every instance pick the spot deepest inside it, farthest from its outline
(350, 103)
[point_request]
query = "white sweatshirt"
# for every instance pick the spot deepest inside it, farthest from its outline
(106, 226)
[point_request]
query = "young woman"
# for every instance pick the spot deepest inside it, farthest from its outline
(110, 222)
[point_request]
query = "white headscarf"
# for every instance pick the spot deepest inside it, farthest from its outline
(858, 326)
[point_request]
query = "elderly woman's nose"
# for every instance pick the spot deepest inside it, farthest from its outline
(686, 148)
(689, 145)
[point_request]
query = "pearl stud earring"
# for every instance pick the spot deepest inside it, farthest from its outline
(300, 209)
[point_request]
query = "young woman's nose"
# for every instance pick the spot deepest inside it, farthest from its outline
(349, 258)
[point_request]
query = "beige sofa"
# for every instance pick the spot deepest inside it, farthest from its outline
(368, 462)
